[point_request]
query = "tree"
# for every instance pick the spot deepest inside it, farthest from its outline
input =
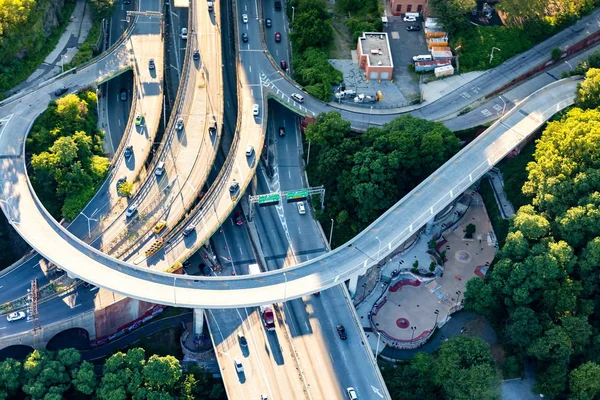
(11, 377)
(44, 374)
(523, 327)
(125, 189)
(84, 379)
(470, 231)
(554, 346)
(588, 91)
(329, 129)
(310, 28)
(162, 373)
(452, 13)
(584, 381)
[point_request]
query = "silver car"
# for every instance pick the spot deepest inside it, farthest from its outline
(17, 315)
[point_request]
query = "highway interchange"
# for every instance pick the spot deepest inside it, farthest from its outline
(302, 241)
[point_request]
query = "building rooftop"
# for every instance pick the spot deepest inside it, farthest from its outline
(376, 47)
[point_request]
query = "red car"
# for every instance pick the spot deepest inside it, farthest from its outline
(277, 37)
(238, 218)
(283, 64)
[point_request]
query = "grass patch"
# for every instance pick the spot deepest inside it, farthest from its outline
(500, 225)
(15, 71)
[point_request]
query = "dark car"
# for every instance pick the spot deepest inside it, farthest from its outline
(277, 6)
(151, 63)
(277, 37)
(244, 37)
(123, 95)
(126, 1)
(196, 54)
(234, 187)
(283, 64)
(128, 151)
(342, 332)
(414, 28)
(281, 131)
(186, 263)
(189, 230)
(121, 180)
(242, 339)
(60, 91)
(207, 271)
(268, 22)
(238, 218)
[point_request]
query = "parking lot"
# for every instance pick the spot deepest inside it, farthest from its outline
(404, 45)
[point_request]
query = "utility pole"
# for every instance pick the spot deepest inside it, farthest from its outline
(456, 49)
(32, 311)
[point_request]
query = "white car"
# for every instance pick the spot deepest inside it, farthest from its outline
(17, 315)
(255, 109)
(184, 33)
(409, 19)
(245, 18)
(301, 209)
(249, 150)
(351, 393)
(238, 365)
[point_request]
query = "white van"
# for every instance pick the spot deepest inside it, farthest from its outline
(423, 57)
(298, 97)
(160, 169)
(131, 210)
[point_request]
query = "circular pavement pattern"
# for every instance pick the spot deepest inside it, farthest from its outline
(402, 323)
(463, 257)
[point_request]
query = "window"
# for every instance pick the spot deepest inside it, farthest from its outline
(398, 8)
(408, 7)
(420, 8)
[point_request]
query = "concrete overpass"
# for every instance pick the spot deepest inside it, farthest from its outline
(413, 211)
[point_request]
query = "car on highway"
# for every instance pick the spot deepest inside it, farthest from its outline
(268, 22)
(235, 186)
(151, 63)
(184, 34)
(196, 54)
(189, 230)
(139, 120)
(179, 125)
(283, 64)
(255, 109)
(277, 37)
(244, 37)
(263, 397)
(123, 95)
(160, 226)
(342, 332)
(126, 1)
(131, 210)
(17, 315)
(128, 151)
(245, 18)
(281, 131)
(301, 208)
(409, 19)
(238, 365)
(242, 339)
(413, 28)
(298, 97)
(278, 6)
(352, 393)
(122, 178)
(60, 91)
(237, 217)
(249, 150)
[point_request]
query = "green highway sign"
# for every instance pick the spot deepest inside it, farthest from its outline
(297, 195)
(269, 199)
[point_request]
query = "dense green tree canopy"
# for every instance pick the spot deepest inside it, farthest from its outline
(452, 13)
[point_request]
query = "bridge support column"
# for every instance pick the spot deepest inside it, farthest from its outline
(352, 285)
(198, 321)
(429, 226)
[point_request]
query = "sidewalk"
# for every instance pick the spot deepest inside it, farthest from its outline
(75, 34)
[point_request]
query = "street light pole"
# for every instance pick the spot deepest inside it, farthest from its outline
(456, 49)
(503, 108)
(436, 312)
(293, 13)
(88, 222)
(308, 156)
(379, 249)
(570, 66)
(331, 233)
(492, 54)
(378, 340)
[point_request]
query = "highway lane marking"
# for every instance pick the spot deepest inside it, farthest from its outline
(2, 328)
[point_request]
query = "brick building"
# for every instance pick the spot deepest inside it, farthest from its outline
(398, 7)
(374, 55)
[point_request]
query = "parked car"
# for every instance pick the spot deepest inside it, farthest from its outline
(128, 151)
(409, 19)
(242, 339)
(17, 315)
(60, 91)
(238, 365)
(281, 131)
(342, 332)
(151, 63)
(196, 54)
(238, 218)
(139, 120)
(283, 64)
(189, 230)
(244, 37)
(268, 22)
(352, 393)
(414, 28)
(277, 37)
(245, 18)
(278, 6)
(158, 228)
(255, 109)
(123, 95)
